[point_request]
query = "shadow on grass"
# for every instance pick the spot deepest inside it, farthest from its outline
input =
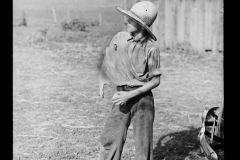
(177, 145)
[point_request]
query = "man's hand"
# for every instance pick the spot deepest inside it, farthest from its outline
(121, 97)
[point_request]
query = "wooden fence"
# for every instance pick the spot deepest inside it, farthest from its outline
(197, 24)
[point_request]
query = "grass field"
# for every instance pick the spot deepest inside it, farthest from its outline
(57, 113)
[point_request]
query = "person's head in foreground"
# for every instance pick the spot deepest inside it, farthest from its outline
(140, 17)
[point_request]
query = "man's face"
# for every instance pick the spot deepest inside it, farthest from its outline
(132, 26)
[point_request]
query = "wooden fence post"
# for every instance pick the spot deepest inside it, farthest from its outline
(193, 24)
(23, 20)
(187, 21)
(215, 25)
(54, 15)
(160, 33)
(208, 25)
(68, 16)
(100, 19)
(200, 26)
(168, 23)
(220, 34)
(180, 20)
(174, 23)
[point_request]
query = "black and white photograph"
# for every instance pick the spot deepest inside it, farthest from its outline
(118, 80)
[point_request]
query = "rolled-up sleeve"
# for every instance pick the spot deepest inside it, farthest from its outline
(154, 62)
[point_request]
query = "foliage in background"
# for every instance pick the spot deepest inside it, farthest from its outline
(78, 25)
(78, 31)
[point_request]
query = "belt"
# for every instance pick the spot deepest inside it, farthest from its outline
(127, 88)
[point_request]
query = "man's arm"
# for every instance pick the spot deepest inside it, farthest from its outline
(122, 96)
(153, 83)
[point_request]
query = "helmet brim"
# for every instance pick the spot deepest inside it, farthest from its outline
(138, 20)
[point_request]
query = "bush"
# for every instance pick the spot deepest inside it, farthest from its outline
(78, 25)
(39, 36)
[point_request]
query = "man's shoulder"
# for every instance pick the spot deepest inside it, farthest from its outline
(152, 44)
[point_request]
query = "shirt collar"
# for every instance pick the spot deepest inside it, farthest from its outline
(137, 39)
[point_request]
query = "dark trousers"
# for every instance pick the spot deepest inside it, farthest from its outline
(138, 110)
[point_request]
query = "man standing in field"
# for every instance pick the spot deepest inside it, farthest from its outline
(132, 63)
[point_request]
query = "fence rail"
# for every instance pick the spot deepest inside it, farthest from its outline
(194, 23)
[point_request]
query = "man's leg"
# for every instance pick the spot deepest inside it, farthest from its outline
(143, 117)
(114, 133)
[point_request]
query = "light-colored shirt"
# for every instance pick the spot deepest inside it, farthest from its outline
(130, 61)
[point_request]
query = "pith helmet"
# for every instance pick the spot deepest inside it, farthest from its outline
(144, 13)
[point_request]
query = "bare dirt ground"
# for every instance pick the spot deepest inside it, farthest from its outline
(57, 113)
